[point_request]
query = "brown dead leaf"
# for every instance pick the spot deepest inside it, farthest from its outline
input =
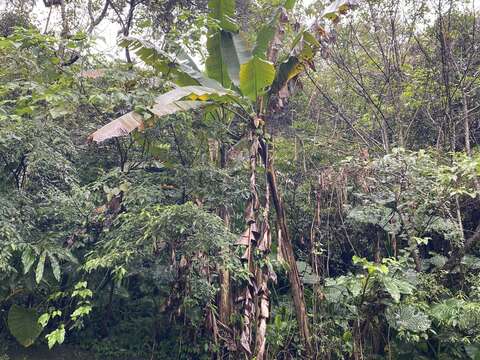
(92, 74)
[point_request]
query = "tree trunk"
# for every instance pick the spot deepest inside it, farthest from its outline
(466, 127)
(263, 313)
(469, 243)
(225, 300)
(286, 249)
(263, 276)
(248, 239)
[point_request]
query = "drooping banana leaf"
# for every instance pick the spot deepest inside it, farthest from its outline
(181, 67)
(201, 93)
(188, 65)
(121, 126)
(179, 99)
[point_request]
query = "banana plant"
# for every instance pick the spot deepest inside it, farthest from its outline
(252, 83)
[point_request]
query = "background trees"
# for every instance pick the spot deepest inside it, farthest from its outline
(309, 191)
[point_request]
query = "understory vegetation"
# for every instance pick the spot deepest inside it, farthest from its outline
(240, 179)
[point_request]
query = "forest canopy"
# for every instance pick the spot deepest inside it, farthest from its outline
(221, 179)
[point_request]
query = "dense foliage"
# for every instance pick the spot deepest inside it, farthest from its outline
(249, 179)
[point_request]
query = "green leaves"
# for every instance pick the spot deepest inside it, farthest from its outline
(307, 274)
(215, 64)
(55, 266)
(289, 4)
(181, 66)
(255, 76)
(304, 48)
(23, 325)
(40, 267)
(408, 318)
(226, 52)
(265, 35)
(46, 317)
(234, 52)
(82, 291)
(337, 8)
(219, 62)
(457, 313)
(371, 267)
(223, 11)
(149, 53)
(382, 275)
(81, 312)
(270, 36)
(56, 337)
(396, 287)
(28, 258)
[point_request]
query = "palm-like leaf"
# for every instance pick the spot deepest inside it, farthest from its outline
(181, 67)
(234, 52)
(169, 103)
(255, 76)
(215, 64)
(121, 126)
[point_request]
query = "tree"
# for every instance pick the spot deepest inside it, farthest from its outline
(248, 194)
(250, 85)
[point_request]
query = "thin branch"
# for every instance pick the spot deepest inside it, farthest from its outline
(342, 115)
(94, 22)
